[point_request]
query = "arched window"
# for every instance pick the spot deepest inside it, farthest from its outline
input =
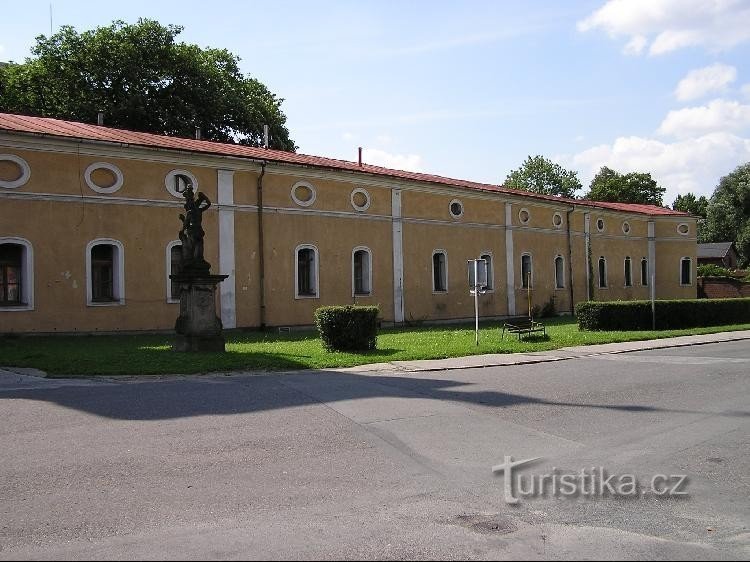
(361, 271)
(439, 271)
(306, 272)
(602, 273)
(487, 256)
(685, 271)
(105, 272)
(174, 257)
(644, 272)
(559, 272)
(527, 272)
(16, 274)
(628, 272)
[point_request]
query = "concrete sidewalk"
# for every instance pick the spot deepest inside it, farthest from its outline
(562, 354)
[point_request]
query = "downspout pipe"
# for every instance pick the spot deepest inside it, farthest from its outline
(570, 259)
(261, 248)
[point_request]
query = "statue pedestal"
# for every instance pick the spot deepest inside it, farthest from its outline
(198, 328)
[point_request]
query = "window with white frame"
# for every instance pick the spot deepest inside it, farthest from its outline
(306, 272)
(628, 272)
(602, 273)
(174, 259)
(16, 274)
(105, 275)
(686, 277)
(644, 272)
(361, 272)
(487, 256)
(439, 272)
(559, 272)
(527, 273)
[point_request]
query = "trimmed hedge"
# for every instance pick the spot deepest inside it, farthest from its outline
(672, 314)
(348, 328)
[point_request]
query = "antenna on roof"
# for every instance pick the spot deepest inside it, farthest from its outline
(100, 118)
(265, 136)
(360, 155)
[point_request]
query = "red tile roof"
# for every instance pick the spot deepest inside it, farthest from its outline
(83, 131)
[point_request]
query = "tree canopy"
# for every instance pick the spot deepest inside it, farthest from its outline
(144, 80)
(689, 203)
(728, 215)
(540, 175)
(635, 187)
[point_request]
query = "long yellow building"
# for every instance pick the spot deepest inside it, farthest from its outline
(89, 223)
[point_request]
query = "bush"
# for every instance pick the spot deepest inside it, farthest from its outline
(348, 328)
(711, 270)
(670, 315)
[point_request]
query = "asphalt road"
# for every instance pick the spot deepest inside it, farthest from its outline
(380, 465)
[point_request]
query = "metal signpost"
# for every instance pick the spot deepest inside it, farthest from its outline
(477, 271)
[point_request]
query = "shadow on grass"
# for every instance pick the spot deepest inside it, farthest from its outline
(236, 395)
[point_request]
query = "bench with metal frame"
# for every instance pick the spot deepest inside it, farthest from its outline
(523, 325)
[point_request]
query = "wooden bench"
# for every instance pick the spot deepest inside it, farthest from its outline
(523, 325)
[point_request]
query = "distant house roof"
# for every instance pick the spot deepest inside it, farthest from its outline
(70, 129)
(715, 250)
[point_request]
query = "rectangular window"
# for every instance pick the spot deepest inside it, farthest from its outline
(685, 274)
(102, 273)
(490, 276)
(644, 272)
(439, 278)
(602, 273)
(559, 272)
(628, 273)
(11, 265)
(526, 273)
(361, 272)
(306, 270)
(175, 258)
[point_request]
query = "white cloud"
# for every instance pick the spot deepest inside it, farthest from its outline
(347, 136)
(384, 139)
(718, 116)
(670, 25)
(702, 81)
(410, 162)
(746, 90)
(694, 164)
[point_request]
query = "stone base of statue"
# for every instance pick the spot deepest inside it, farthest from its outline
(198, 328)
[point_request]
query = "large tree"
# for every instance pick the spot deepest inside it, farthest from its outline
(541, 175)
(728, 216)
(143, 79)
(697, 206)
(635, 187)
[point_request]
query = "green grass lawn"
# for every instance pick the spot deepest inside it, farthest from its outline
(151, 354)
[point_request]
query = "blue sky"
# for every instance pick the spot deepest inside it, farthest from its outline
(469, 89)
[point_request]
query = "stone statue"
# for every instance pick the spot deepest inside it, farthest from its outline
(192, 232)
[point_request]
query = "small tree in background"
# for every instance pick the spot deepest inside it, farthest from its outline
(635, 187)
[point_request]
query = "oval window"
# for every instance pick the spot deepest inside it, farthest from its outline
(557, 220)
(14, 171)
(456, 208)
(524, 216)
(103, 177)
(303, 194)
(360, 199)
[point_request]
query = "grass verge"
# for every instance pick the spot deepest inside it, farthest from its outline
(151, 354)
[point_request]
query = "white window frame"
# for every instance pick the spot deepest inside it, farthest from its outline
(460, 205)
(648, 273)
(531, 270)
(557, 215)
(604, 224)
(559, 286)
(625, 263)
(432, 268)
(118, 275)
(528, 217)
(599, 273)
(690, 260)
(119, 179)
(169, 181)
(300, 202)
(171, 299)
(369, 272)
(316, 272)
(25, 171)
(27, 274)
(490, 270)
(355, 192)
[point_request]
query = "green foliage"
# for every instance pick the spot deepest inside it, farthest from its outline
(541, 175)
(689, 203)
(612, 186)
(711, 270)
(145, 81)
(348, 328)
(670, 315)
(728, 214)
